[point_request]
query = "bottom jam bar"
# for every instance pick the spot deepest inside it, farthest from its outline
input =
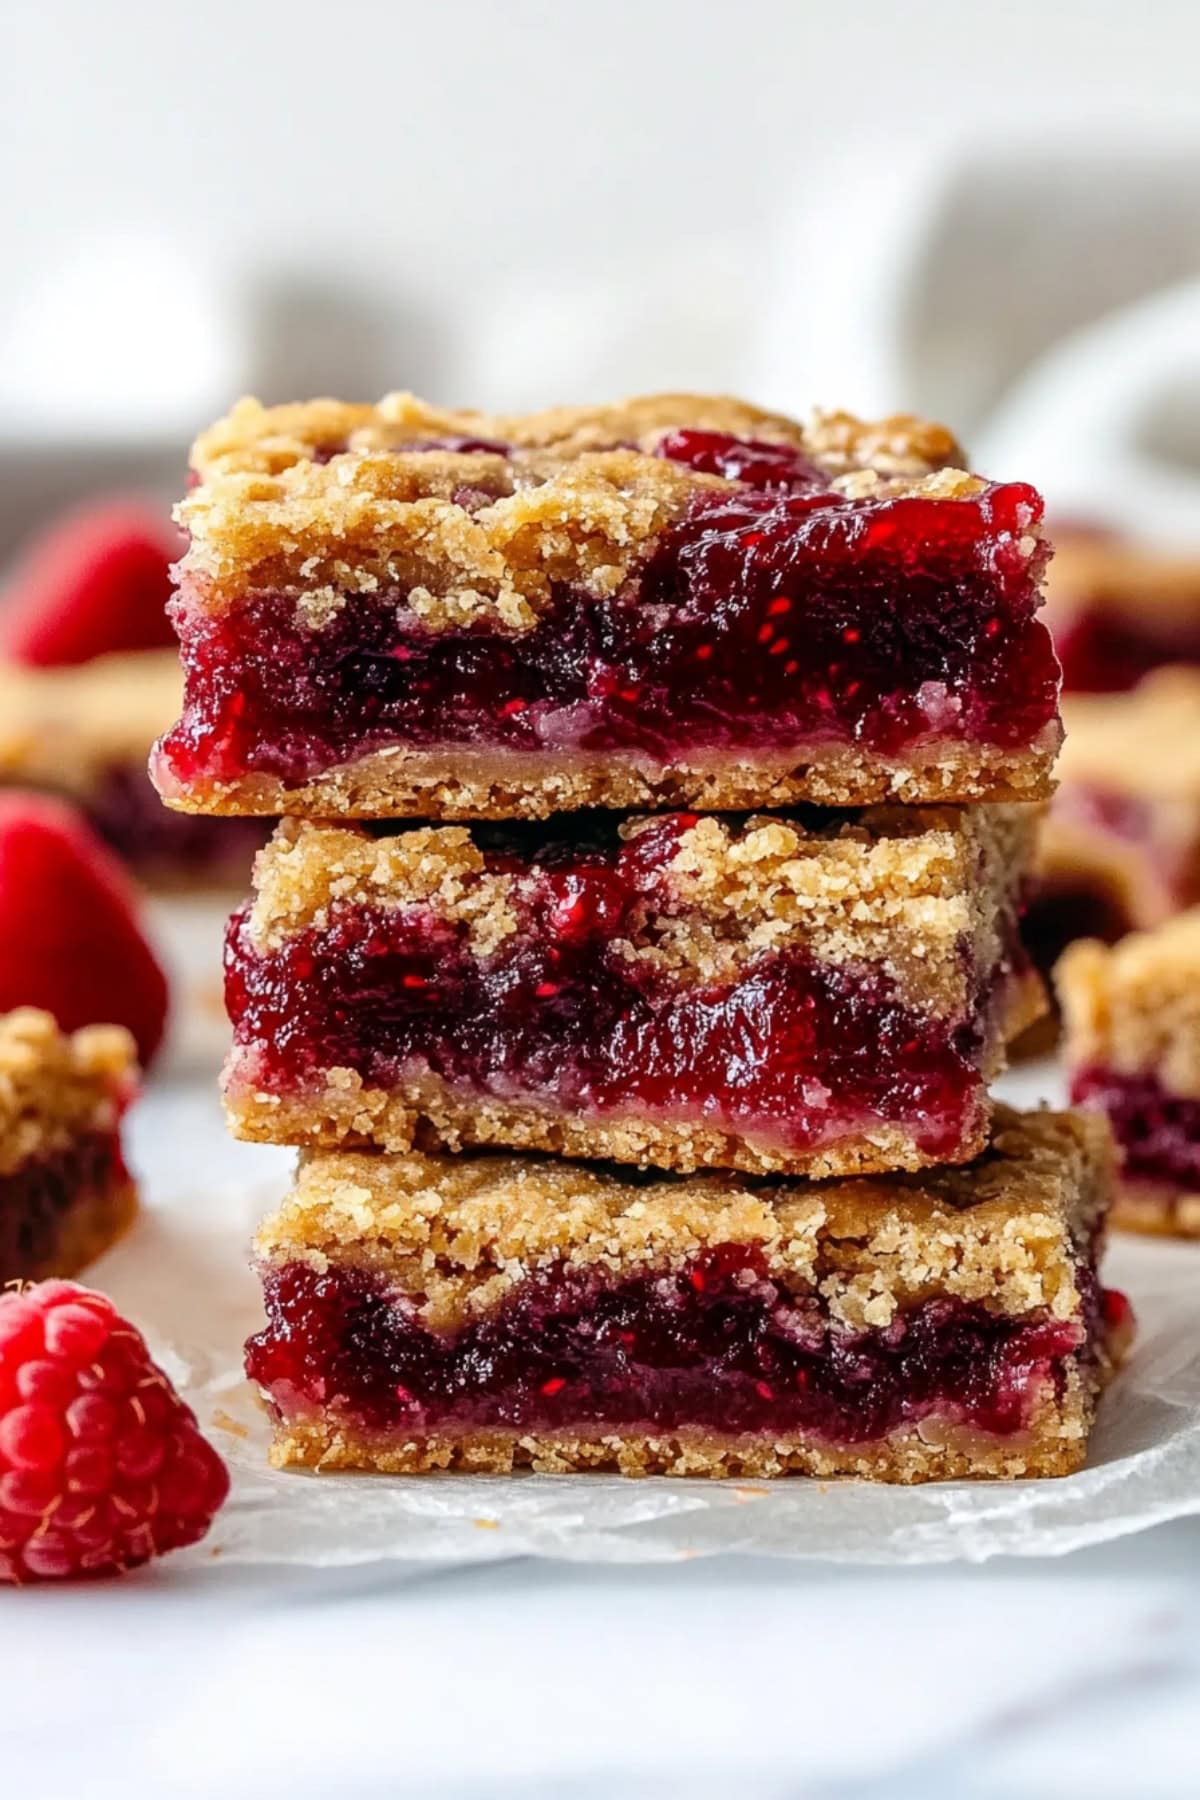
(499, 1312)
(1132, 1023)
(65, 1193)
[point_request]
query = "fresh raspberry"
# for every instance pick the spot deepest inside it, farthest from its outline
(101, 1463)
(97, 581)
(70, 941)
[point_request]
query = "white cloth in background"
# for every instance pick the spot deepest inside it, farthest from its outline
(1039, 297)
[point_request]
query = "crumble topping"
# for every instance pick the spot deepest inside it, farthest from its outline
(907, 889)
(1135, 1007)
(54, 1086)
(332, 496)
(307, 867)
(461, 1232)
(264, 439)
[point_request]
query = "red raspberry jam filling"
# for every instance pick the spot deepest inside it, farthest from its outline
(716, 1345)
(778, 618)
(126, 812)
(793, 1051)
(37, 1199)
(1158, 1132)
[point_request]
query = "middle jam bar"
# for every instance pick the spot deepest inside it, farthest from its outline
(814, 994)
(495, 1312)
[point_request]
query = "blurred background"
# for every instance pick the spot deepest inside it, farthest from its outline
(505, 203)
(990, 215)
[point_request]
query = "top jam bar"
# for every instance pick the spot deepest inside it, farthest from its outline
(391, 611)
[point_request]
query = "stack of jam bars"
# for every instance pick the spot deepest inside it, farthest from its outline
(641, 1075)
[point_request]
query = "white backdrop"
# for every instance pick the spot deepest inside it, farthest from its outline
(498, 200)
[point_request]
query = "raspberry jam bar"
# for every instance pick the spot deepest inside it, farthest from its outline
(1120, 849)
(809, 994)
(388, 611)
(1119, 609)
(486, 1313)
(65, 1193)
(83, 731)
(1132, 1019)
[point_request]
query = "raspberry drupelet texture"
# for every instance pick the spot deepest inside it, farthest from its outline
(101, 1464)
(389, 611)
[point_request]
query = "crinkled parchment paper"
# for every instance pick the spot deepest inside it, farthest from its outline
(182, 1275)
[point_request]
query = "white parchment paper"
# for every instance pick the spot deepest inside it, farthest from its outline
(182, 1275)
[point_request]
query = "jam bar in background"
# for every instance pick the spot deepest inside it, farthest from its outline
(1132, 1023)
(65, 1193)
(1118, 608)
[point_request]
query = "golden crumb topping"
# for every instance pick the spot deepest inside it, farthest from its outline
(1135, 1007)
(56, 1086)
(326, 499)
(458, 1233)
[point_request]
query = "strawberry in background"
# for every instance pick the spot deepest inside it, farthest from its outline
(94, 583)
(70, 938)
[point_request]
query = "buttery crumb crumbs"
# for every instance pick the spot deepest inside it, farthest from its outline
(337, 497)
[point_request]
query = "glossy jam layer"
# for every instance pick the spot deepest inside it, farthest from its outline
(1158, 1132)
(716, 1344)
(161, 845)
(794, 1051)
(1106, 653)
(780, 618)
(37, 1198)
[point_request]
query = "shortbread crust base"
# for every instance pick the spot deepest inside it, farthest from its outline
(399, 782)
(1055, 1443)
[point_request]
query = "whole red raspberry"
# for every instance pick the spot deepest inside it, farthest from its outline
(101, 1463)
